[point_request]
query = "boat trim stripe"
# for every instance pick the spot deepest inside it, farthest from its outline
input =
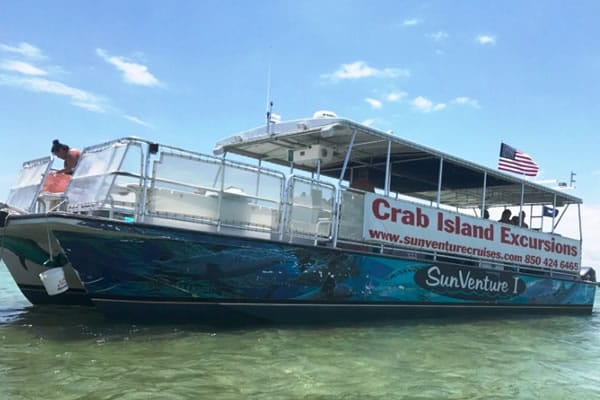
(349, 305)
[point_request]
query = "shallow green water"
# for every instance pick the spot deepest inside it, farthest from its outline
(74, 353)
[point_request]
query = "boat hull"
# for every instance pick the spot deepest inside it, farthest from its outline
(25, 249)
(234, 313)
(152, 272)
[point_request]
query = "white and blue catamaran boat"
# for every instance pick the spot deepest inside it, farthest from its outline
(313, 220)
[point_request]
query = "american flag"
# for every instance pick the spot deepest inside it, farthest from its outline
(513, 160)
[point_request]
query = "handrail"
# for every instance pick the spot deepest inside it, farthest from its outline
(323, 230)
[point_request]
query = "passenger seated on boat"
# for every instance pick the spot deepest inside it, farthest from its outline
(66, 153)
(486, 214)
(515, 220)
(506, 217)
(361, 181)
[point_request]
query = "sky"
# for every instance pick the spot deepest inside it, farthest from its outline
(460, 76)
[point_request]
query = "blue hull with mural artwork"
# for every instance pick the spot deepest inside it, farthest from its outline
(148, 272)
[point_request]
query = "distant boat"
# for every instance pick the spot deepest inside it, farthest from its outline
(332, 221)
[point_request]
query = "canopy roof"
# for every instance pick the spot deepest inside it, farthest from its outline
(415, 169)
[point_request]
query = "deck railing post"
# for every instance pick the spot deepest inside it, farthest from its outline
(221, 189)
(144, 172)
(439, 188)
(521, 205)
(338, 190)
(483, 194)
(388, 177)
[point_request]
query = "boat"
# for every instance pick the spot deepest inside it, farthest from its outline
(321, 219)
(29, 253)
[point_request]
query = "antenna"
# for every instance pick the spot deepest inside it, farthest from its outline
(269, 119)
(269, 103)
(272, 118)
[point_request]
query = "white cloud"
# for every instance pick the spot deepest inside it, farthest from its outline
(463, 100)
(137, 121)
(425, 105)
(360, 69)
(90, 106)
(438, 36)
(24, 49)
(136, 74)
(22, 67)
(26, 76)
(395, 96)
(486, 39)
(79, 98)
(597, 172)
(374, 102)
(368, 122)
(411, 22)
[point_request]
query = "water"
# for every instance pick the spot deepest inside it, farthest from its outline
(74, 353)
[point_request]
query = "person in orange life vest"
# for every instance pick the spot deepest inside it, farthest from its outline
(66, 153)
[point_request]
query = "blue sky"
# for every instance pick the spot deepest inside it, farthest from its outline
(457, 76)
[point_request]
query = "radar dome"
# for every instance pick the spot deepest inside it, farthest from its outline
(324, 114)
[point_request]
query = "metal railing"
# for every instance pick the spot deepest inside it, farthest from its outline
(129, 179)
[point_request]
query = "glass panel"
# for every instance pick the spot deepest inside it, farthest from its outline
(311, 207)
(185, 173)
(190, 186)
(23, 197)
(185, 186)
(101, 161)
(32, 173)
(253, 183)
(94, 176)
(251, 197)
(29, 181)
(351, 215)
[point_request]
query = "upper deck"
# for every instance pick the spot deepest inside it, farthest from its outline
(414, 170)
